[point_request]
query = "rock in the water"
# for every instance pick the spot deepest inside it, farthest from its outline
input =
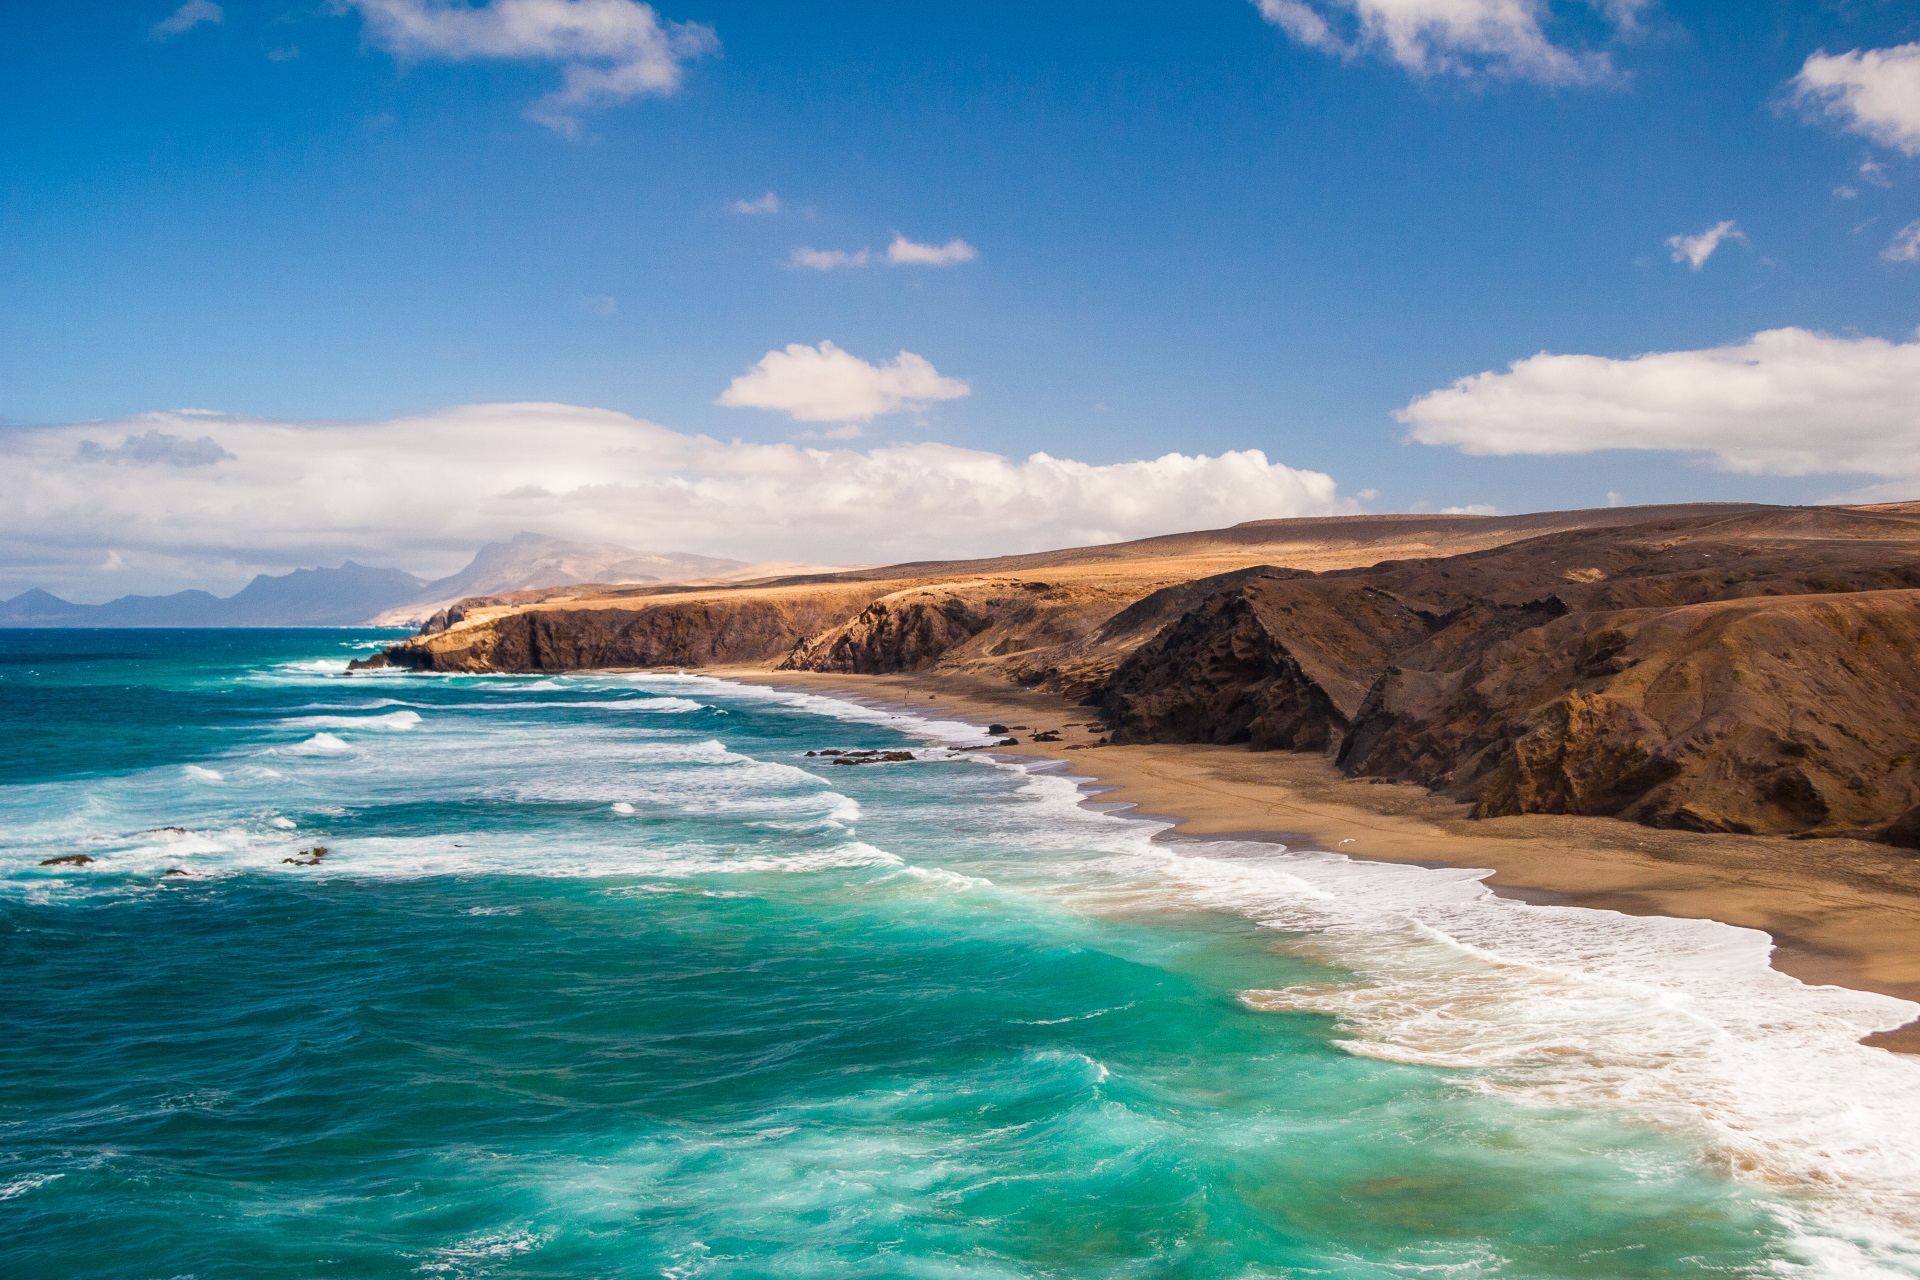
(67, 860)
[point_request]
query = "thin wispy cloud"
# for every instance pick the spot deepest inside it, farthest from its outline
(186, 18)
(901, 253)
(1694, 250)
(608, 51)
(1872, 92)
(828, 259)
(826, 384)
(1498, 38)
(768, 203)
(1905, 246)
(905, 253)
(1786, 402)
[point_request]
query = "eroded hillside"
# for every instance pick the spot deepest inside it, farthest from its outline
(1716, 667)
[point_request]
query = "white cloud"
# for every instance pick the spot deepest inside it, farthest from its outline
(155, 448)
(186, 17)
(1694, 250)
(1875, 92)
(905, 253)
(826, 384)
(608, 50)
(829, 259)
(423, 492)
(768, 203)
(1503, 38)
(1783, 402)
(1471, 509)
(1905, 246)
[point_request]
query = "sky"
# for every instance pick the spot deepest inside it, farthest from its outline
(287, 281)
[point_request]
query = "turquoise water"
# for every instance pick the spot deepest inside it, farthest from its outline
(604, 976)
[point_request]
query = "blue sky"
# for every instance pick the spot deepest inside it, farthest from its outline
(1195, 230)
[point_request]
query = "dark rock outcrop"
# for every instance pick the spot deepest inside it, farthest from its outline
(1744, 673)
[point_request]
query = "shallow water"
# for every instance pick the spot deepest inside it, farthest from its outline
(603, 976)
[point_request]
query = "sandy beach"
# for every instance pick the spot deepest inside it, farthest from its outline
(1841, 912)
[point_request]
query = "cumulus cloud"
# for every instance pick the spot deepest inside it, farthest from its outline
(905, 253)
(826, 384)
(768, 203)
(829, 259)
(1694, 250)
(1873, 92)
(1502, 38)
(186, 17)
(1905, 246)
(423, 492)
(1784, 402)
(608, 50)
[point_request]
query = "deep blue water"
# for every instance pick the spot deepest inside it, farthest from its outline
(602, 975)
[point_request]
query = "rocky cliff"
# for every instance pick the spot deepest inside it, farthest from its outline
(1758, 672)
(1730, 668)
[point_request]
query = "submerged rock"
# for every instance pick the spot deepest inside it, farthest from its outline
(67, 860)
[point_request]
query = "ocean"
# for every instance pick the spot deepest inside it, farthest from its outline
(604, 975)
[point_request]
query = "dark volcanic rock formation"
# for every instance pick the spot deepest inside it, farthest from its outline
(1751, 672)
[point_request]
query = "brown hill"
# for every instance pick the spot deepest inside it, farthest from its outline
(1753, 672)
(1716, 666)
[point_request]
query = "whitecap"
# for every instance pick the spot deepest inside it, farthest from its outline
(392, 722)
(622, 808)
(27, 1182)
(200, 774)
(320, 744)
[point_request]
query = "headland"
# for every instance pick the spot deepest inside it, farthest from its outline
(1710, 710)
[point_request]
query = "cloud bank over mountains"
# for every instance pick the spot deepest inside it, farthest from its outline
(1785, 402)
(138, 499)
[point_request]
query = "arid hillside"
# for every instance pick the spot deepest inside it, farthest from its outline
(1714, 666)
(1059, 620)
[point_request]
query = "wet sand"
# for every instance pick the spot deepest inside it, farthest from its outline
(1841, 912)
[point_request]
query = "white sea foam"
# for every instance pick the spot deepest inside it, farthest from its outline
(392, 722)
(27, 1182)
(320, 744)
(954, 731)
(1678, 1023)
(622, 808)
(199, 773)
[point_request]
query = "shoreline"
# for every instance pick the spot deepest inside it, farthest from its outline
(1840, 912)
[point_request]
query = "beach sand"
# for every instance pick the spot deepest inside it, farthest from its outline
(1841, 912)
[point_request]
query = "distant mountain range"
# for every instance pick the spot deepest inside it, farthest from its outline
(356, 595)
(531, 560)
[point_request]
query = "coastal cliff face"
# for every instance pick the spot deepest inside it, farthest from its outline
(1752, 674)
(1721, 669)
(712, 629)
